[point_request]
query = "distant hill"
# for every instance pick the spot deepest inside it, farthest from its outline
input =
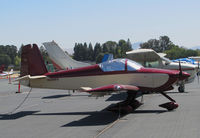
(136, 45)
(195, 47)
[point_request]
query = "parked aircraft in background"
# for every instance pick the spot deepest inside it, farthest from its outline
(197, 58)
(149, 58)
(5, 73)
(118, 75)
(60, 59)
(187, 60)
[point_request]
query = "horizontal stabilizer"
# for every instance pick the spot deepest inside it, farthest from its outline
(25, 80)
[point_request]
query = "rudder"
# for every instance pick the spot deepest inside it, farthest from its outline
(32, 62)
(1, 68)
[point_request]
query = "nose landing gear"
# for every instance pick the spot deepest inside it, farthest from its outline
(181, 87)
(169, 105)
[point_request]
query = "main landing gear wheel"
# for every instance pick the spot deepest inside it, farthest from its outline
(126, 106)
(181, 88)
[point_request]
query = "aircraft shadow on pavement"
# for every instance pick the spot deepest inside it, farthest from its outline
(117, 97)
(16, 115)
(95, 119)
(56, 96)
(105, 118)
(62, 95)
(175, 92)
(120, 96)
(149, 111)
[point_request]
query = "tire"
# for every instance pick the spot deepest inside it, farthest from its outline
(181, 89)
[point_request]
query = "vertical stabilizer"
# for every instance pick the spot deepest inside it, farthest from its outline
(32, 62)
(60, 59)
(1, 68)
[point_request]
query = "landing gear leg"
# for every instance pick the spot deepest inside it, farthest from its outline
(127, 105)
(169, 105)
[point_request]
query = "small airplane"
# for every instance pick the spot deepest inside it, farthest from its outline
(117, 75)
(188, 61)
(149, 58)
(4, 73)
(60, 59)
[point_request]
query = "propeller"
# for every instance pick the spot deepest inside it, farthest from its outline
(198, 72)
(180, 69)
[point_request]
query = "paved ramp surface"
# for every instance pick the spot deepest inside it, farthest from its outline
(56, 114)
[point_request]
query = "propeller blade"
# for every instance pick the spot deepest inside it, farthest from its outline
(180, 69)
(198, 72)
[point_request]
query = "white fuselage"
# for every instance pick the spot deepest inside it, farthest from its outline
(149, 80)
(189, 68)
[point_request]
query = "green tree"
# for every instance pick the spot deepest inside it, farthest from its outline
(17, 62)
(180, 52)
(5, 60)
(160, 45)
(97, 50)
(90, 52)
(99, 58)
(124, 46)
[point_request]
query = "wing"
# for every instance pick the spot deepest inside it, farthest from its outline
(104, 90)
(141, 55)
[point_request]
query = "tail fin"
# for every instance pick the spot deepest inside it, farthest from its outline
(11, 71)
(1, 68)
(60, 59)
(107, 57)
(32, 62)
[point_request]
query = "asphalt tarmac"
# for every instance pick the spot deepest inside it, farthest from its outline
(58, 114)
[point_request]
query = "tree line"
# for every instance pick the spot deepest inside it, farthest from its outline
(86, 52)
(9, 55)
(165, 45)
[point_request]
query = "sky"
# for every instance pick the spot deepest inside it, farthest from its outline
(70, 21)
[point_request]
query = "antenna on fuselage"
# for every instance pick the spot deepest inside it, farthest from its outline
(198, 72)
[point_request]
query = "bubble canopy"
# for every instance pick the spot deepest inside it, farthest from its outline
(119, 65)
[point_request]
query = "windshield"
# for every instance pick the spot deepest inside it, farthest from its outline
(132, 65)
(119, 65)
(166, 59)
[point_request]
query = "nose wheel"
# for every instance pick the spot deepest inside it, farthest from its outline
(169, 105)
(181, 87)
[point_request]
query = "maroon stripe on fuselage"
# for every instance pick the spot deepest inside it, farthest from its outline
(83, 71)
(185, 69)
(95, 70)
